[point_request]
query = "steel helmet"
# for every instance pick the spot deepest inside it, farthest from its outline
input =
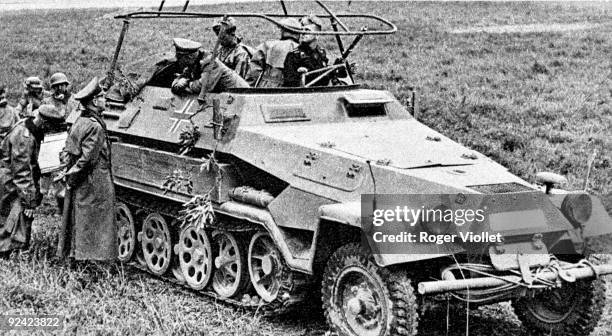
(58, 78)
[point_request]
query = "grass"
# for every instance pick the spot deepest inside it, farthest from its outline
(533, 101)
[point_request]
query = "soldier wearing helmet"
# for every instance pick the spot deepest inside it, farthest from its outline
(20, 173)
(232, 52)
(32, 97)
(60, 97)
(91, 193)
(8, 115)
(266, 66)
(308, 56)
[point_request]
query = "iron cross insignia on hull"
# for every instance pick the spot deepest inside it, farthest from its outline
(181, 115)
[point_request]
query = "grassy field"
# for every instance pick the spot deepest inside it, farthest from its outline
(539, 99)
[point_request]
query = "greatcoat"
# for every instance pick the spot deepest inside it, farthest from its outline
(93, 231)
(19, 176)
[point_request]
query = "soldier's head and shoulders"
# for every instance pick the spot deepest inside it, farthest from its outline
(91, 107)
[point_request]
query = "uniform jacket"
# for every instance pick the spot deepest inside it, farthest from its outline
(268, 62)
(94, 235)
(236, 58)
(65, 106)
(19, 170)
(217, 77)
(307, 57)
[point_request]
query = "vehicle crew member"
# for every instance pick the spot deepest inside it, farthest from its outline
(31, 98)
(189, 54)
(185, 63)
(8, 115)
(20, 175)
(60, 97)
(266, 66)
(232, 52)
(308, 55)
(92, 230)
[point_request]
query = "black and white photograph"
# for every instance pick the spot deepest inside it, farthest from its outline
(306, 168)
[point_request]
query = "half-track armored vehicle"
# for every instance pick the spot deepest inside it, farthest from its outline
(280, 174)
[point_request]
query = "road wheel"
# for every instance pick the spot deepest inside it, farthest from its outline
(572, 310)
(156, 243)
(230, 278)
(362, 299)
(194, 252)
(126, 232)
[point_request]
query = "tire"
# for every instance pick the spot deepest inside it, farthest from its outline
(572, 310)
(352, 283)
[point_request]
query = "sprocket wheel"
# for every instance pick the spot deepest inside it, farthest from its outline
(126, 232)
(265, 266)
(194, 252)
(230, 278)
(362, 299)
(156, 243)
(573, 309)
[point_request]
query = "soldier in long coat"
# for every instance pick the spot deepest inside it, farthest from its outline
(92, 228)
(20, 175)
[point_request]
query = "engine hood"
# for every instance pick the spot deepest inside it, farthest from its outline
(403, 144)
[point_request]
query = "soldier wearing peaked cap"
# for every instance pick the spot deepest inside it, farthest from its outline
(20, 176)
(88, 231)
(266, 66)
(183, 63)
(232, 52)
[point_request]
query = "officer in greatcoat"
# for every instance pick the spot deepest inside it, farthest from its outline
(91, 228)
(20, 176)
(266, 66)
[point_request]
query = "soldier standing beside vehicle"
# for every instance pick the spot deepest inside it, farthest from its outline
(89, 231)
(32, 97)
(266, 66)
(60, 97)
(232, 52)
(308, 55)
(8, 115)
(20, 175)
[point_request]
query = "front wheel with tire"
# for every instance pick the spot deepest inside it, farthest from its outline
(362, 299)
(573, 309)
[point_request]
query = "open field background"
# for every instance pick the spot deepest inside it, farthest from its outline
(528, 84)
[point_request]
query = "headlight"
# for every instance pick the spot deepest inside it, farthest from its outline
(577, 208)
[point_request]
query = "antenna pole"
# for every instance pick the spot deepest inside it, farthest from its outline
(284, 8)
(186, 5)
(161, 6)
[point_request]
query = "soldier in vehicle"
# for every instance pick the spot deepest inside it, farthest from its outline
(232, 52)
(184, 64)
(266, 66)
(188, 57)
(91, 194)
(20, 174)
(308, 56)
(32, 97)
(60, 97)
(8, 115)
